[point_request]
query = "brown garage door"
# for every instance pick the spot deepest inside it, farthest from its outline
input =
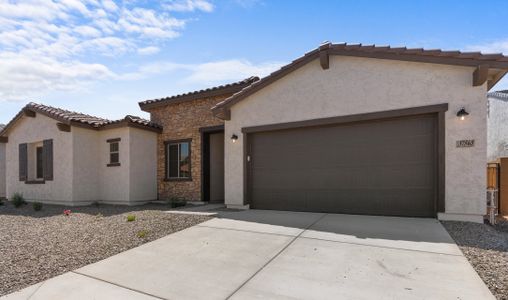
(381, 168)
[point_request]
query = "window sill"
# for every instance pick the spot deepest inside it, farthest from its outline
(113, 165)
(35, 182)
(178, 179)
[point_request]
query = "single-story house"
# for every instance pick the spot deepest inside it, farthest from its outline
(2, 167)
(364, 130)
(190, 151)
(343, 129)
(63, 157)
(497, 116)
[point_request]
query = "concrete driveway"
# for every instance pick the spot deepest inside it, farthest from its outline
(272, 254)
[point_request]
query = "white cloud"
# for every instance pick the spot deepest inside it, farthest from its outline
(189, 5)
(44, 43)
(499, 46)
(230, 70)
(209, 73)
(24, 78)
(88, 31)
(148, 50)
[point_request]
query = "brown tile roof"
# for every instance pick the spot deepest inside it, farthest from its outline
(229, 88)
(437, 56)
(82, 120)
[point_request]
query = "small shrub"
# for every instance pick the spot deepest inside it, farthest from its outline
(142, 234)
(37, 206)
(18, 200)
(131, 218)
(175, 202)
(99, 215)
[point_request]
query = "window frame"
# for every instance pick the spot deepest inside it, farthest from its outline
(166, 159)
(110, 143)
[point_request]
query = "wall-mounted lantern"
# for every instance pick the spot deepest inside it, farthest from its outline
(462, 114)
(234, 137)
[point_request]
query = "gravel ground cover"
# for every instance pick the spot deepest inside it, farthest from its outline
(486, 248)
(37, 245)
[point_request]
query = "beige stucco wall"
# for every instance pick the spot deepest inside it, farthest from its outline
(114, 181)
(143, 165)
(31, 130)
(2, 171)
(361, 85)
(81, 174)
(133, 182)
(86, 171)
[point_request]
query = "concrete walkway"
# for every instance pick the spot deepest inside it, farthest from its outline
(271, 254)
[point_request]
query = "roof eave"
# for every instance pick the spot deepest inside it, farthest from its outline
(222, 110)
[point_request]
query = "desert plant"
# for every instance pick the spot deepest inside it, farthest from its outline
(37, 206)
(131, 218)
(175, 202)
(18, 200)
(142, 234)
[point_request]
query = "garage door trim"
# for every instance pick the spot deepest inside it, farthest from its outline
(438, 110)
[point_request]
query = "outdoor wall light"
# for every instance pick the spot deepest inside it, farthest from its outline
(462, 113)
(234, 137)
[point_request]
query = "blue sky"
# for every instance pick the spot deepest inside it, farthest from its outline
(102, 57)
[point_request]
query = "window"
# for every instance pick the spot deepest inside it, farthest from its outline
(39, 163)
(114, 152)
(178, 160)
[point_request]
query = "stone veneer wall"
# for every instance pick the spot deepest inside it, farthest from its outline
(183, 121)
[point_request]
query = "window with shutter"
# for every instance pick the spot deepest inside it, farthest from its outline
(23, 162)
(47, 159)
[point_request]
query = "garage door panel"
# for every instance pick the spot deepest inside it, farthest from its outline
(385, 167)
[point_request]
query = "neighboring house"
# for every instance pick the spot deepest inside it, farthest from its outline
(2, 166)
(191, 145)
(63, 157)
(363, 130)
(497, 124)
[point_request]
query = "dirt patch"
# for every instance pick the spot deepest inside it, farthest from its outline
(35, 246)
(486, 248)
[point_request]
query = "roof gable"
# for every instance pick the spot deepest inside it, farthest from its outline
(72, 118)
(490, 68)
(225, 89)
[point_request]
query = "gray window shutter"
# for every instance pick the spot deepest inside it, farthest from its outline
(47, 159)
(23, 162)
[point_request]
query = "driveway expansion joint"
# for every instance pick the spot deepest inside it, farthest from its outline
(251, 231)
(118, 285)
(275, 256)
(378, 246)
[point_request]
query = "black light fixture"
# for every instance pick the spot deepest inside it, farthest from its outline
(234, 137)
(462, 113)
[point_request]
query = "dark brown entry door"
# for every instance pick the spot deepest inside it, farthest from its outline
(381, 168)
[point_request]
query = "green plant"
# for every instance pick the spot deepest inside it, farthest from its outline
(131, 218)
(18, 200)
(175, 202)
(142, 234)
(37, 206)
(99, 215)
